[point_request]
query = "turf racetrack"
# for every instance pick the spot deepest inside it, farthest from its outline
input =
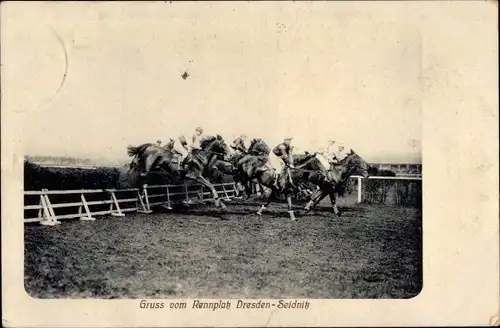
(371, 251)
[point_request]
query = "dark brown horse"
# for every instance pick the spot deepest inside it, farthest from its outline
(213, 154)
(335, 178)
(149, 156)
(307, 168)
(258, 149)
(285, 183)
(254, 167)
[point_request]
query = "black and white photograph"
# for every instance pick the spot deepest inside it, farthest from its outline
(221, 155)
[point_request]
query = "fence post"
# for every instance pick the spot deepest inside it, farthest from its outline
(360, 186)
(87, 210)
(144, 206)
(225, 193)
(169, 205)
(40, 213)
(201, 192)
(117, 205)
(48, 212)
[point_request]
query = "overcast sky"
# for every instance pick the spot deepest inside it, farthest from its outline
(260, 69)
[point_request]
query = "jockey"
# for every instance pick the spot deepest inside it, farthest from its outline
(326, 154)
(158, 143)
(195, 140)
(194, 146)
(339, 154)
(330, 149)
(284, 151)
(239, 144)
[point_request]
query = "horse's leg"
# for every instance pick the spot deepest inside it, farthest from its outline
(268, 180)
(238, 189)
(316, 197)
(259, 190)
(209, 185)
(241, 187)
(146, 165)
(273, 194)
(290, 210)
(333, 200)
(248, 189)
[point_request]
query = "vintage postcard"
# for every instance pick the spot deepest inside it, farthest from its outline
(233, 164)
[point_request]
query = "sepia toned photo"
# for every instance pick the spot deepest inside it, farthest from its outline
(294, 171)
(225, 156)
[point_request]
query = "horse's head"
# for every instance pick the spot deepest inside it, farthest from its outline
(216, 145)
(359, 166)
(170, 144)
(373, 170)
(223, 148)
(258, 146)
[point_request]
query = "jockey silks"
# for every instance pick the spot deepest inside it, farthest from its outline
(195, 143)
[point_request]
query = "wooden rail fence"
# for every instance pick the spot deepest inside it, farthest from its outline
(119, 201)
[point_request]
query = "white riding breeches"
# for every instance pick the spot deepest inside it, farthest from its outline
(276, 163)
(323, 160)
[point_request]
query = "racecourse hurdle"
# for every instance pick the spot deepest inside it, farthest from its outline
(141, 202)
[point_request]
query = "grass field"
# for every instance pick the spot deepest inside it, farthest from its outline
(371, 251)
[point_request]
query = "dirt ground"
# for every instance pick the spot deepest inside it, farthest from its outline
(371, 251)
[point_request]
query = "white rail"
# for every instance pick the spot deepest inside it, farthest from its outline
(142, 201)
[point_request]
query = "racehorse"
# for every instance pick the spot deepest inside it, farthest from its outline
(253, 166)
(335, 178)
(258, 149)
(284, 183)
(309, 168)
(213, 154)
(149, 156)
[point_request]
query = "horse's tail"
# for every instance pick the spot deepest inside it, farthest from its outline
(137, 150)
(132, 151)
